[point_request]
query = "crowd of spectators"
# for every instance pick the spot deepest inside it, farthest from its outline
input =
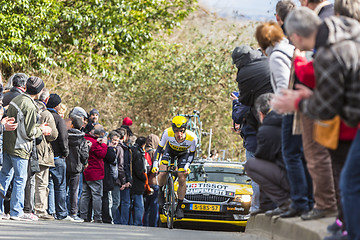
(300, 135)
(70, 168)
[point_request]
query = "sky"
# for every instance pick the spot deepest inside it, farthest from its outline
(251, 9)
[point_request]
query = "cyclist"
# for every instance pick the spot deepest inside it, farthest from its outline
(179, 142)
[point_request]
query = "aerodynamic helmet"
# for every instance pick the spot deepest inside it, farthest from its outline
(179, 122)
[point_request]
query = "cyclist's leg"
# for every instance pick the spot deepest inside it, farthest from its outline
(166, 157)
(182, 159)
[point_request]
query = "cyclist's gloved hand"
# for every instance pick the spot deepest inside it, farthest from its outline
(155, 167)
(188, 171)
(187, 168)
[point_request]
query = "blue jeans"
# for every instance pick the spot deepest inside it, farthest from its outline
(17, 167)
(125, 206)
(58, 175)
(115, 213)
(255, 202)
(138, 203)
(350, 189)
(151, 215)
(301, 190)
(51, 197)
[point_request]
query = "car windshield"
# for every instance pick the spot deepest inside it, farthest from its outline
(218, 174)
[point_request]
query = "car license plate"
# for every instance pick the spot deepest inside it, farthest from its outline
(205, 207)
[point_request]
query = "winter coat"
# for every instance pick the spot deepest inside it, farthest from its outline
(269, 139)
(20, 142)
(240, 114)
(337, 73)
(110, 159)
(125, 172)
(97, 152)
(121, 179)
(253, 77)
(280, 63)
(138, 170)
(78, 151)
(60, 145)
(45, 152)
(10, 95)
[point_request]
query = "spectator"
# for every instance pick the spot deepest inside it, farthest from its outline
(125, 188)
(267, 168)
(92, 120)
(272, 41)
(45, 156)
(139, 178)
(62, 110)
(18, 145)
(214, 154)
(76, 161)
(283, 7)
(336, 38)
(151, 215)
(61, 151)
(322, 8)
(253, 79)
(18, 87)
(120, 180)
(94, 175)
(110, 175)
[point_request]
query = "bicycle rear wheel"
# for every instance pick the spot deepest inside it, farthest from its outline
(170, 202)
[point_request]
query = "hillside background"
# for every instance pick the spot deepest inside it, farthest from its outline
(184, 65)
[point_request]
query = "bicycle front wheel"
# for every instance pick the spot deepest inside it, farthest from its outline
(170, 201)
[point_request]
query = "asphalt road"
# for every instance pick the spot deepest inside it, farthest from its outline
(10, 229)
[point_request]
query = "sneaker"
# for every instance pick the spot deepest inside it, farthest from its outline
(318, 213)
(76, 218)
(339, 235)
(334, 227)
(67, 218)
(4, 216)
(25, 217)
(46, 217)
(98, 221)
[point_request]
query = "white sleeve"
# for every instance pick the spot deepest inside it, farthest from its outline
(164, 138)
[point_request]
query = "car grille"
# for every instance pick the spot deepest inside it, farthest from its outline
(206, 215)
(206, 198)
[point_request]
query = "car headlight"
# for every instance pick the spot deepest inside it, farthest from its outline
(242, 198)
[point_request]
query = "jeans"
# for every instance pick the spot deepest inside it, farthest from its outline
(255, 202)
(138, 203)
(299, 179)
(115, 213)
(58, 175)
(51, 197)
(350, 189)
(125, 206)
(17, 167)
(151, 215)
(106, 216)
(72, 180)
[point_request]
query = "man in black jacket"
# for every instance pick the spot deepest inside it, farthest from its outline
(61, 151)
(267, 168)
(75, 163)
(139, 178)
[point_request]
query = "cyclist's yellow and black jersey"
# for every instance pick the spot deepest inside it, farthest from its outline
(188, 144)
(169, 147)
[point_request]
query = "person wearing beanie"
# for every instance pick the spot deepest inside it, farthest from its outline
(127, 122)
(61, 151)
(18, 145)
(81, 113)
(92, 120)
(17, 86)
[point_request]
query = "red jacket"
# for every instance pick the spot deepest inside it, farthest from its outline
(95, 169)
(304, 70)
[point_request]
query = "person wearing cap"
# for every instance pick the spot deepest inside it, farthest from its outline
(18, 81)
(61, 151)
(18, 145)
(93, 119)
